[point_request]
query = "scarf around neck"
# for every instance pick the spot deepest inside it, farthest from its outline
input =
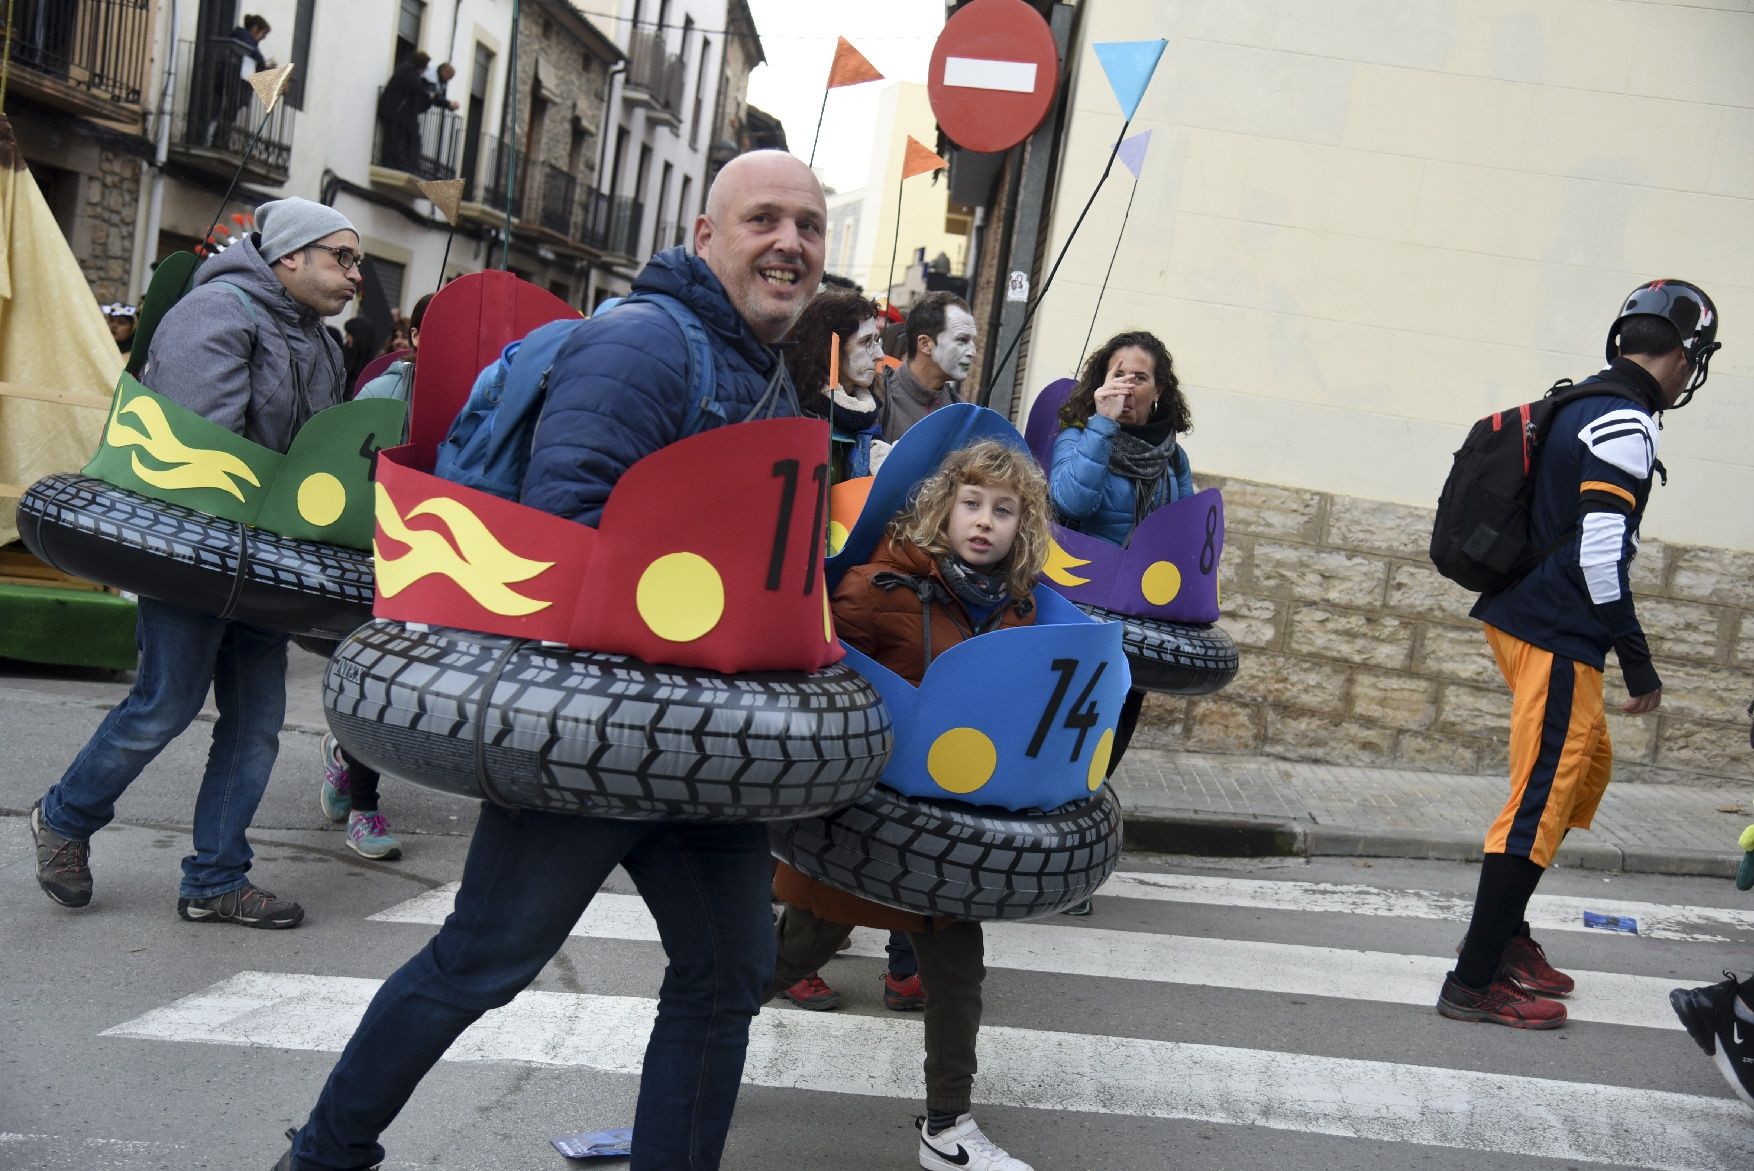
(983, 593)
(1145, 454)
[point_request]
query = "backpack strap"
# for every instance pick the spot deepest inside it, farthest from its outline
(702, 379)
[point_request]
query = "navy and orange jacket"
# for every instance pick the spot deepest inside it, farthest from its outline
(1591, 485)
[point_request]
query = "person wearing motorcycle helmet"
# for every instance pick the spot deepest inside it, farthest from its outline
(1680, 369)
(1551, 630)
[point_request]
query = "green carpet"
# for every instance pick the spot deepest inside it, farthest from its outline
(71, 628)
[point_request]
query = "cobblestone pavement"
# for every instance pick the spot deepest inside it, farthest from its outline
(1258, 805)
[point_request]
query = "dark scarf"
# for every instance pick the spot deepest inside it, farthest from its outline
(983, 593)
(1145, 454)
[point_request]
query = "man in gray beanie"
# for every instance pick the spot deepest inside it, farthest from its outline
(245, 348)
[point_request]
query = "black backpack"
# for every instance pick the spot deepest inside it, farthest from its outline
(1481, 539)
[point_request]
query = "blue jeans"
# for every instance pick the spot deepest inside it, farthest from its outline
(902, 961)
(181, 653)
(528, 878)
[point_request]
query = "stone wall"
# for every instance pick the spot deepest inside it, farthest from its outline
(103, 232)
(1355, 651)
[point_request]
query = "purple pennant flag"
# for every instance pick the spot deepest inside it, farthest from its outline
(1132, 151)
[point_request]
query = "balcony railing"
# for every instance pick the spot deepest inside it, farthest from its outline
(425, 147)
(556, 192)
(595, 212)
(96, 48)
(670, 234)
(221, 113)
(490, 176)
(625, 216)
(654, 74)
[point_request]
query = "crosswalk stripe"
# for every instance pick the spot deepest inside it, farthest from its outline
(1036, 1069)
(1606, 997)
(1689, 924)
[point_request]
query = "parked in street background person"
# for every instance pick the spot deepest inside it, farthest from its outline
(1118, 457)
(619, 389)
(940, 351)
(246, 349)
(349, 789)
(1551, 630)
(121, 319)
(843, 396)
(359, 349)
(968, 550)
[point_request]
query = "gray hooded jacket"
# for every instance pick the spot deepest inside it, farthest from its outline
(260, 368)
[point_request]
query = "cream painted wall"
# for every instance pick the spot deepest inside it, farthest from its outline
(1362, 224)
(902, 109)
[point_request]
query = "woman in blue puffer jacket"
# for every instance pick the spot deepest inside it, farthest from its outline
(1116, 457)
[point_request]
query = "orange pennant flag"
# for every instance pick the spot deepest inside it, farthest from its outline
(850, 66)
(919, 159)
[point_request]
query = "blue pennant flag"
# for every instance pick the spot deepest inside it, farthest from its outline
(1129, 65)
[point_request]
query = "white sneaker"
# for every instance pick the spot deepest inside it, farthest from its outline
(964, 1148)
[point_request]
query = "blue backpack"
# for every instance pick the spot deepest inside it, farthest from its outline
(488, 444)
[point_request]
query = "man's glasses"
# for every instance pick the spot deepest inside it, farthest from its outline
(346, 258)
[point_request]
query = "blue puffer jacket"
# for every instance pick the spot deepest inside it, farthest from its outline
(1092, 499)
(619, 388)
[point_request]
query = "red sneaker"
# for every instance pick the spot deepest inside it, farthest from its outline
(1525, 962)
(813, 993)
(1503, 1002)
(907, 995)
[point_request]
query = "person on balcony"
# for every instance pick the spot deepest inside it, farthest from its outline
(239, 55)
(406, 97)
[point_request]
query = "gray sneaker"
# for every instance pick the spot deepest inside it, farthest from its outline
(247, 906)
(63, 865)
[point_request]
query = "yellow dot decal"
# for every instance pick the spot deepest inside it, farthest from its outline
(962, 760)
(1161, 583)
(827, 619)
(1105, 748)
(681, 597)
(1217, 589)
(321, 499)
(837, 537)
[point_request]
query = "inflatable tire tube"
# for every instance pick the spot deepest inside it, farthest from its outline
(599, 734)
(943, 858)
(1173, 658)
(94, 530)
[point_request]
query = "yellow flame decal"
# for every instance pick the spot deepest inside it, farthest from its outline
(1060, 566)
(192, 467)
(477, 562)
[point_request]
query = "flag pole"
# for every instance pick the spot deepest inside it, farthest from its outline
(895, 245)
(818, 136)
(1089, 333)
(987, 391)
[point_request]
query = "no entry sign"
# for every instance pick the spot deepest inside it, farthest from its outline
(993, 74)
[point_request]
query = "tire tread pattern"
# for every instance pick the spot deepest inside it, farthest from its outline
(95, 530)
(971, 862)
(603, 735)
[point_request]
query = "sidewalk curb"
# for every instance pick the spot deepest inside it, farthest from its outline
(1162, 832)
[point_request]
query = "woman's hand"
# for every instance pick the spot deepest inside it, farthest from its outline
(1112, 395)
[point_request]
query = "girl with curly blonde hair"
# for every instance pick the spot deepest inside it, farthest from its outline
(959, 561)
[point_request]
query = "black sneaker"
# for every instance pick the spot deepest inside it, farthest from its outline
(63, 865)
(1727, 1036)
(286, 1160)
(247, 906)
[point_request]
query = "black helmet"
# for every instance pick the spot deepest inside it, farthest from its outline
(1689, 310)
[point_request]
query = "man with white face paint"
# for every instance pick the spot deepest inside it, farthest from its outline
(940, 350)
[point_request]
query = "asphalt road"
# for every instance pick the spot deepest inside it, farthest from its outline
(1208, 1015)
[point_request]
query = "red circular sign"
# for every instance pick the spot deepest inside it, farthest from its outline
(993, 74)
